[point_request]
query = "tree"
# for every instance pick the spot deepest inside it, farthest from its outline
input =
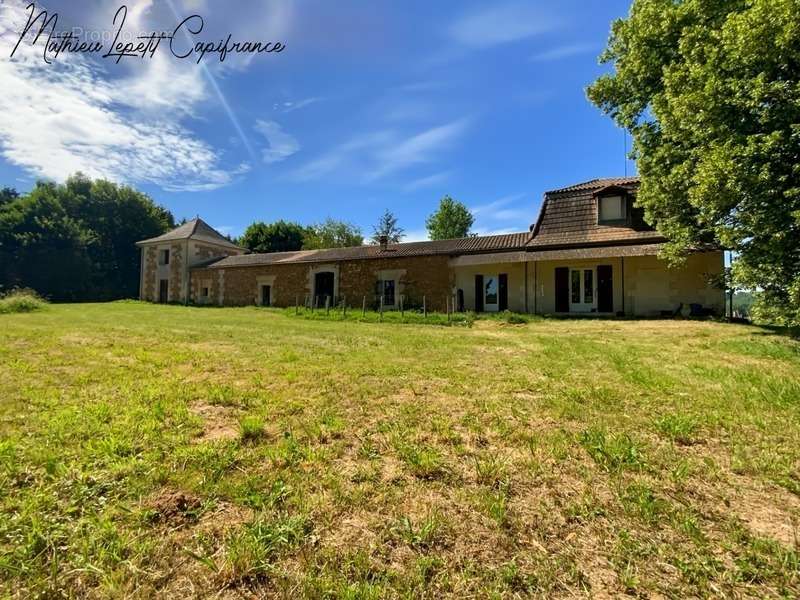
(76, 241)
(451, 220)
(280, 236)
(332, 234)
(709, 91)
(387, 226)
(7, 195)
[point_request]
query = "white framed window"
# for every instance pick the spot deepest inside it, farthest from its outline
(164, 257)
(611, 209)
(204, 292)
(490, 290)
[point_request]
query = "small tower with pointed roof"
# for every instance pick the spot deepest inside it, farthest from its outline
(167, 259)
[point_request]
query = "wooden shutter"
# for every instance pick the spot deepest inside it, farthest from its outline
(562, 289)
(478, 293)
(503, 292)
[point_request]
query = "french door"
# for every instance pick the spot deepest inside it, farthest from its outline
(582, 290)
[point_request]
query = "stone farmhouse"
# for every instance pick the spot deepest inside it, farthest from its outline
(589, 252)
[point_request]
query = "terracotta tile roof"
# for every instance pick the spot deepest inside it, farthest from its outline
(470, 245)
(596, 184)
(568, 218)
(196, 229)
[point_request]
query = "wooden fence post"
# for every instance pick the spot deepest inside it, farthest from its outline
(381, 307)
(424, 308)
(344, 307)
(447, 307)
(296, 304)
(327, 305)
(402, 313)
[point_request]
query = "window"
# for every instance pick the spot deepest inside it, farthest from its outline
(611, 209)
(204, 292)
(576, 286)
(164, 257)
(490, 286)
(388, 292)
(588, 286)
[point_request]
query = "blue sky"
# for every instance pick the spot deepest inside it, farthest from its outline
(372, 105)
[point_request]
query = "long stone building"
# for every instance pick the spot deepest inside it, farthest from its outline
(589, 252)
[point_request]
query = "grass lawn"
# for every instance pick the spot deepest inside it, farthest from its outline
(246, 452)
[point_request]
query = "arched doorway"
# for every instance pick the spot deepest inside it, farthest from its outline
(323, 287)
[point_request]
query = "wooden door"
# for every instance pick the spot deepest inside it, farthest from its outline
(605, 289)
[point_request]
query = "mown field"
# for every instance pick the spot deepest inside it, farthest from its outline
(187, 452)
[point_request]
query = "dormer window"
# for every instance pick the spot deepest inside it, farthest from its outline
(611, 209)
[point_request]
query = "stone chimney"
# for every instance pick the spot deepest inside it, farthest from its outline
(384, 241)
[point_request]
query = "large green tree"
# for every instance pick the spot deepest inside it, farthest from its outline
(451, 220)
(709, 90)
(332, 234)
(280, 236)
(76, 241)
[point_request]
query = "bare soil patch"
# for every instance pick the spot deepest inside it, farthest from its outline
(219, 422)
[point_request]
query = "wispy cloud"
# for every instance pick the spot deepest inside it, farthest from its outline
(501, 23)
(66, 117)
(417, 149)
(427, 182)
(502, 209)
(291, 106)
(281, 144)
(492, 207)
(377, 154)
(562, 52)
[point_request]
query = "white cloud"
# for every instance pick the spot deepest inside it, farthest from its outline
(499, 211)
(281, 144)
(417, 149)
(288, 107)
(427, 182)
(375, 155)
(61, 118)
(493, 207)
(564, 52)
(501, 23)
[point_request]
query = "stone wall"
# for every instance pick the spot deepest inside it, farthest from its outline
(176, 270)
(428, 276)
(150, 257)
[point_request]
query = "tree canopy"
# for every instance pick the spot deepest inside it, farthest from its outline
(710, 92)
(451, 220)
(280, 236)
(76, 241)
(332, 234)
(387, 226)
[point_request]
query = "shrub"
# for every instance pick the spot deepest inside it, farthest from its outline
(21, 300)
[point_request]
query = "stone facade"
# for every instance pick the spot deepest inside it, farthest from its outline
(415, 277)
(176, 270)
(150, 261)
